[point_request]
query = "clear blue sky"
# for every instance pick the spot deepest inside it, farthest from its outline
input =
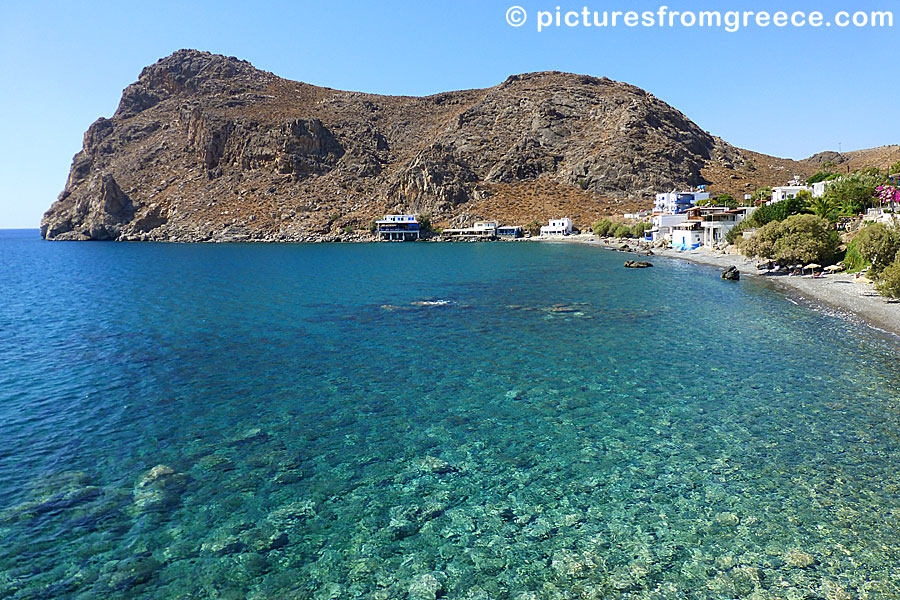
(786, 92)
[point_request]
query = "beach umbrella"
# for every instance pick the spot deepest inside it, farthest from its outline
(834, 268)
(812, 267)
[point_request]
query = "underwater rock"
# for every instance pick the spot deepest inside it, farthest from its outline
(569, 564)
(131, 572)
(798, 559)
(62, 500)
(251, 435)
(436, 466)
(831, 590)
(425, 587)
(159, 489)
(728, 519)
(53, 493)
(264, 539)
(292, 514)
(223, 544)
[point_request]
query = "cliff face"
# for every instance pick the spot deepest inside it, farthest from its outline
(206, 147)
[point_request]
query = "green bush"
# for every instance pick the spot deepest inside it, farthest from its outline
(878, 244)
(797, 239)
(602, 227)
(779, 211)
(822, 176)
(638, 229)
(726, 200)
(533, 228)
(853, 260)
(889, 283)
(425, 223)
(853, 193)
(348, 229)
(735, 233)
(622, 231)
(824, 207)
(762, 195)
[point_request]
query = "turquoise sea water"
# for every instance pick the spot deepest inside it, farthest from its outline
(521, 421)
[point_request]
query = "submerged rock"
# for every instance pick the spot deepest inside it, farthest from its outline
(54, 493)
(436, 465)
(251, 435)
(799, 560)
(159, 489)
(425, 587)
(293, 513)
(728, 519)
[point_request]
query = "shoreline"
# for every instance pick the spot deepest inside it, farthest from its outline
(853, 298)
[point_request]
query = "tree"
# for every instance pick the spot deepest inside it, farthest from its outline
(889, 284)
(601, 228)
(821, 176)
(727, 200)
(533, 228)
(776, 212)
(761, 196)
(824, 207)
(622, 231)
(798, 239)
(735, 233)
(853, 193)
(425, 223)
(894, 169)
(878, 244)
(638, 229)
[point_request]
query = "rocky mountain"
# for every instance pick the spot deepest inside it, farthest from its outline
(208, 148)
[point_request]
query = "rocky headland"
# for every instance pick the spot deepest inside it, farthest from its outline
(206, 147)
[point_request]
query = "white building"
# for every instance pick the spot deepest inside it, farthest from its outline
(687, 235)
(481, 229)
(716, 224)
(557, 227)
(791, 190)
(662, 227)
(673, 203)
(398, 227)
(818, 189)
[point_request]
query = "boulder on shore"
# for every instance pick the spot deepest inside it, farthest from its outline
(731, 274)
(637, 264)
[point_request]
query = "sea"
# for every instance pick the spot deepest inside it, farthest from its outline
(415, 421)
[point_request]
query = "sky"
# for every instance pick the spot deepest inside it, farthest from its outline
(789, 92)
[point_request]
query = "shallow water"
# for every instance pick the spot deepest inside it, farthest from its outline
(432, 420)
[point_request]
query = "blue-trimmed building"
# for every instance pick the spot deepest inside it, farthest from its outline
(675, 203)
(398, 228)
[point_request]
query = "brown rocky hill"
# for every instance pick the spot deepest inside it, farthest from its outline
(207, 147)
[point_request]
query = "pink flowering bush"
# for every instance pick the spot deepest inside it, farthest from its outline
(888, 194)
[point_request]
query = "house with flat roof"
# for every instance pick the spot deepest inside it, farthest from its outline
(791, 190)
(674, 203)
(397, 228)
(557, 227)
(479, 230)
(717, 224)
(662, 226)
(687, 235)
(510, 231)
